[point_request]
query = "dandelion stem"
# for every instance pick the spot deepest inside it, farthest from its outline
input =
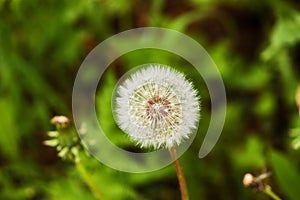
(180, 175)
(268, 191)
(86, 177)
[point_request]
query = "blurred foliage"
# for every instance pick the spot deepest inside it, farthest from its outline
(255, 44)
(287, 174)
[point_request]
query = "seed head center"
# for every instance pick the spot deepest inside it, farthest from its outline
(158, 107)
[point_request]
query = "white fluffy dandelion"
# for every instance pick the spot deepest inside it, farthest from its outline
(157, 107)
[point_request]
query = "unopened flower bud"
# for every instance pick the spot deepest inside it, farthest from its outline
(60, 120)
(64, 139)
(297, 98)
(248, 179)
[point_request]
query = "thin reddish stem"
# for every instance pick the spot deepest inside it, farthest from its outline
(180, 175)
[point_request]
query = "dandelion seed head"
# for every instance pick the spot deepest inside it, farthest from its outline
(157, 107)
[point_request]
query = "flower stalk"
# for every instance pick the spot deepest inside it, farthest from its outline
(90, 183)
(268, 191)
(180, 175)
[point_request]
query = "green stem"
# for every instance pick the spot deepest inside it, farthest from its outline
(180, 176)
(86, 177)
(268, 191)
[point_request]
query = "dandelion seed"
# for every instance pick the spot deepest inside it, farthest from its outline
(157, 107)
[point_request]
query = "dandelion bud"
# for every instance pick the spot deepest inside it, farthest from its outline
(64, 139)
(157, 107)
(248, 180)
(297, 98)
(60, 120)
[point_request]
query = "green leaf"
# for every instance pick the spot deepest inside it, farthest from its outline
(9, 132)
(286, 174)
(295, 134)
(251, 155)
(285, 33)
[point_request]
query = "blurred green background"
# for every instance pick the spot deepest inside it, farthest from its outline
(255, 44)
